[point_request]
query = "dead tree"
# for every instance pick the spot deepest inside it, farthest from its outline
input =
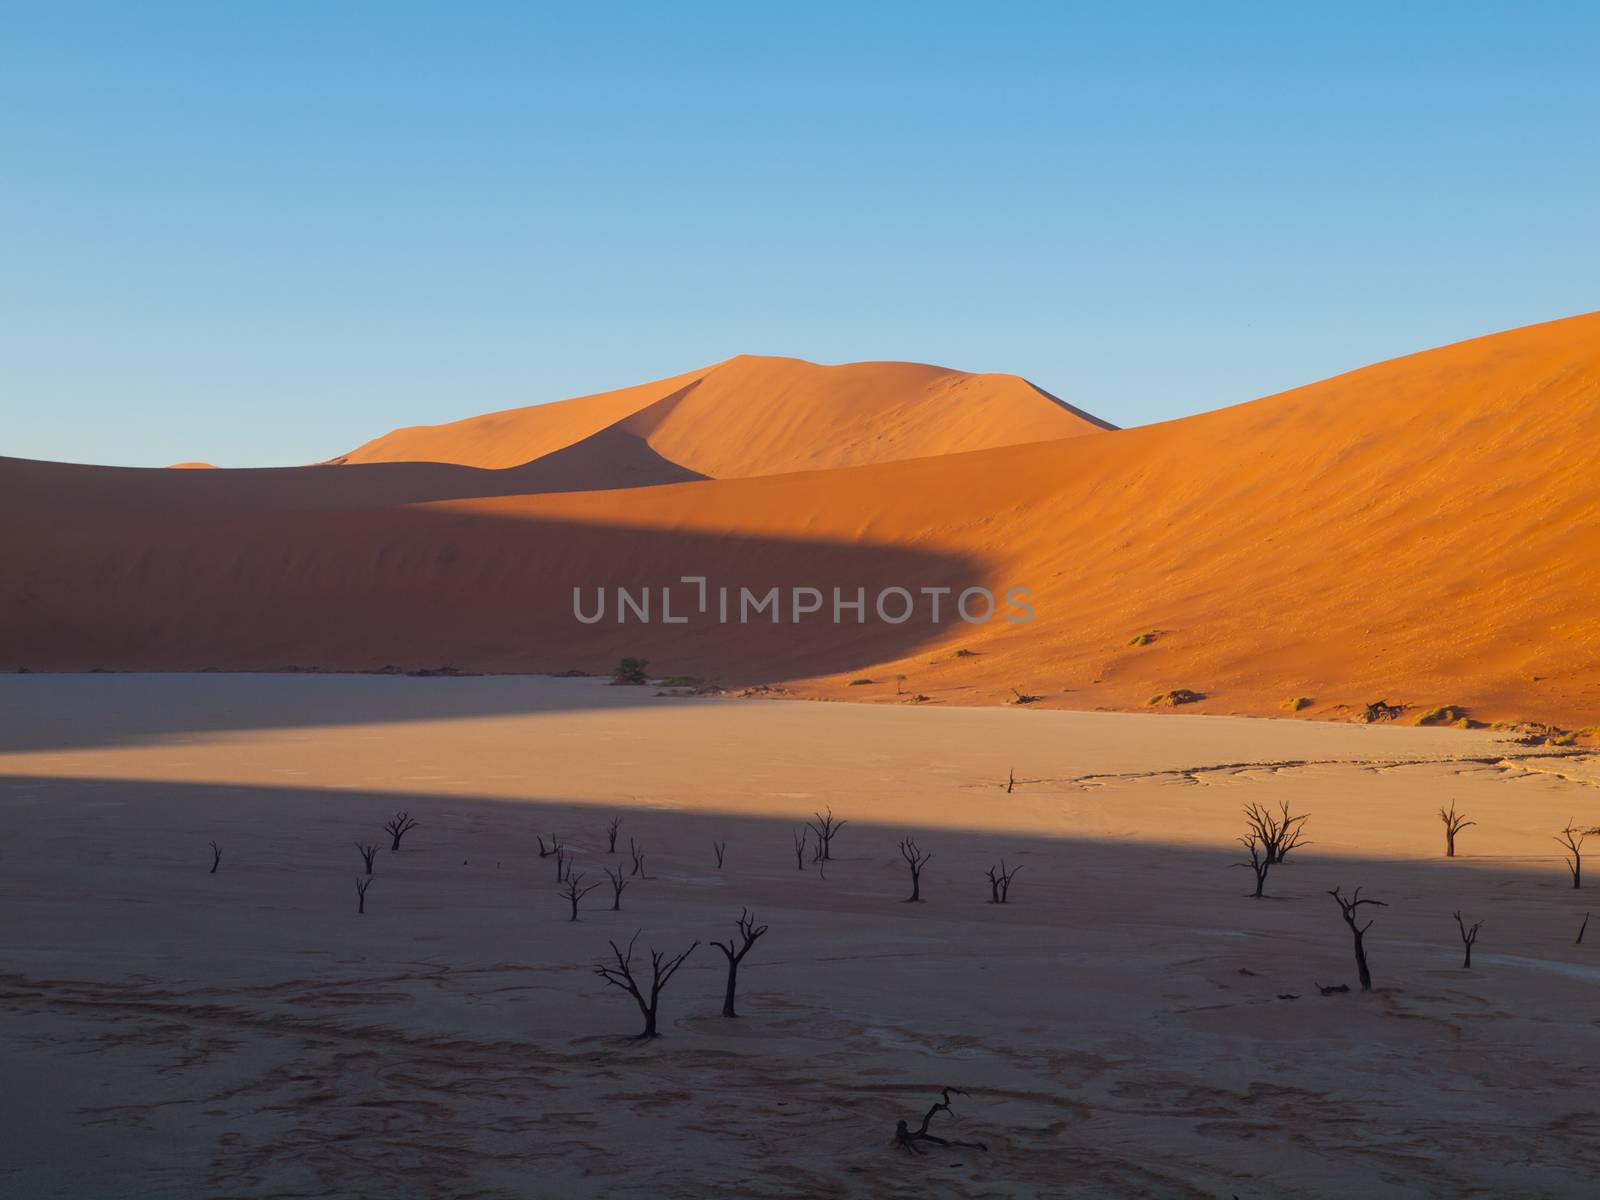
(575, 891)
(1581, 928)
(553, 848)
(908, 1138)
(368, 853)
(1269, 838)
(1348, 909)
(216, 858)
(1258, 862)
(397, 827)
(362, 884)
(719, 849)
(916, 860)
(562, 870)
(611, 834)
(825, 828)
(1468, 937)
(662, 969)
(1572, 838)
(1000, 882)
(618, 882)
(1011, 780)
(800, 840)
(638, 859)
(749, 934)
(1454, 823)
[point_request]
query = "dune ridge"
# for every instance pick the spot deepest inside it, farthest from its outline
(1422, 530)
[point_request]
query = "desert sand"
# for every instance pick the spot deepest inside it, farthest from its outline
(1422, 531)
(1124, 1025)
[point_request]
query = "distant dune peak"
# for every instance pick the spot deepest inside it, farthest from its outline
(756, 415)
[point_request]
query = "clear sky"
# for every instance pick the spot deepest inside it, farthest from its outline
(262, 233)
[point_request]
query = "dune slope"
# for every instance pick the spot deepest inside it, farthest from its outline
(756, 415)
(1425, 530)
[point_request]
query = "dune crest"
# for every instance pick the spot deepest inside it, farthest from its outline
(1424, 531)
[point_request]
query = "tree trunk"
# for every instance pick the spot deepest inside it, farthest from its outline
(1449, 845)
(1361, 965)
(1468, 961)
(733, 978)
(649, 1023)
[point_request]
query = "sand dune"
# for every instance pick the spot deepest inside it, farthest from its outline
(1424, 530)
(755, 415)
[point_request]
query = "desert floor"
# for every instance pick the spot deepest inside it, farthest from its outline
(1121, 1025)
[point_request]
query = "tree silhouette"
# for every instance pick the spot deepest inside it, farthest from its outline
(611, 834)
(719, 849)
(749, 934)
(906, 1137)
(575, 891)
(1469, 937)
(662, 970)
(916, 860)
(1573, 838)
(216, 858)
(1454, 823)
(1347, 909)
(397, 827)
(368, 853)
(1000, 882)
(618, 882)
(825, 828)
(362, 884)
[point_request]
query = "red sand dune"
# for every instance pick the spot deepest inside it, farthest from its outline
(754, 415)
(1423, 530)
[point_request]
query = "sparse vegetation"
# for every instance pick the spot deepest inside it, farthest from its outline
(1348, 909)
(1381, 710)
(1469, 937)
(908, 1138)
(749, 934)
(1573, 838)
(1000, 882)
(575, 891)
(662, 969)
(631, 672)
(1454, 823)
(397, 827)
(1143, 639)
(1174, 698)
(826, 828)
(1445, 714)
(1025, 698)
(916, 860)
(1296, 703)
(963, 653)
(860, 683)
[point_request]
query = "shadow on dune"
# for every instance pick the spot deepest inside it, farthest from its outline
(421, 588)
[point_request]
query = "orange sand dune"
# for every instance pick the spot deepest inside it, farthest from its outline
(757, 416)
(1424, 530)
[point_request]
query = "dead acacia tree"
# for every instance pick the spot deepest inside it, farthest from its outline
(1573, 838)
(1000, 882)
(916, 860)
(908, 1138)
(397, 827)
(611, 834)
(662, 969)
(1268, 839)
(800, 840)
(362, 884)
(1348, 909)
(1581, 928)
(1454, 823)
(1011, 780)
(546, 851)
(638, 859)
(562, 868)
(216, 858)
(749, 934)
(368, 853)
(575, 891)
(825, 828)
(618, 882)
(719, 849)
(1469, 937)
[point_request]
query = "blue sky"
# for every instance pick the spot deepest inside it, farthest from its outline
(262, 233)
